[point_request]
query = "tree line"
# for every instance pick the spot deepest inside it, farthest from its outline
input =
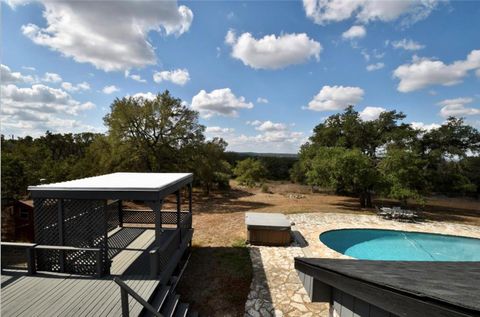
(390, 158)
(345, 153)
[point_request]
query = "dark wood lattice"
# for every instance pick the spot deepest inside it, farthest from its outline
(112, 210)
(83, 225)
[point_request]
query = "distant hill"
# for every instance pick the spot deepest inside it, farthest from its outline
(249, 154)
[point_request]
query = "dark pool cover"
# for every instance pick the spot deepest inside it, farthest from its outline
(456, 283)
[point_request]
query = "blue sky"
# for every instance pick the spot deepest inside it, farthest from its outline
(261, 74)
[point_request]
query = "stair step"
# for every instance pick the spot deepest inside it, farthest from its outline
(182, 310)
(159, 299)
(192, 313)
(168, 309)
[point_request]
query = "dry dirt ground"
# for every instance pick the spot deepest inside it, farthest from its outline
(217, 279)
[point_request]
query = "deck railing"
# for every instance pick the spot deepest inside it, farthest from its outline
(125, 290)
(31, 249)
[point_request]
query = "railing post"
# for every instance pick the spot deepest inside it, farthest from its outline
(99, 258)
(179, 207)
(61, 235)
(154, 263)
(31, 264)
(124, 298)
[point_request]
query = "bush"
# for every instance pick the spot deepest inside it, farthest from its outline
(249, 172)
(265, 188)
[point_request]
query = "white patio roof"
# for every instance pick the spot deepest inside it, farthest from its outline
(119, 182)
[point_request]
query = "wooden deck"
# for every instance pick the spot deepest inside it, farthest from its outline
(52, 294)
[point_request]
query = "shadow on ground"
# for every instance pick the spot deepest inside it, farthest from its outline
(217, 280)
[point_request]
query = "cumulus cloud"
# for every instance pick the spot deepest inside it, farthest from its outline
(410, 11)
(267, 140)
(52, 78)
(271, 51)
(218, 131)
(110, 89)
(135, 77)
(262, 100)
(335, 98)
(423, 126)
(376, 66)
(457, 107)
(355, 32)
(268, 126)
(33, 110)
(145, 95)
(408, 45)
(371, 113)
(75, 88)
(177, 76)
(220, 102)
(110, 36)
(424, 72)
(7, 76)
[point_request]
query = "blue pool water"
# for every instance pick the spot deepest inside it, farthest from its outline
(373, 244)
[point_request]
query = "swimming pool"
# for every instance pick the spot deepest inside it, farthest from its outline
(377, 244)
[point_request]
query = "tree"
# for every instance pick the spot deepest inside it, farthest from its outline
(404, 175)
(211, 166)
(250, 171)
(163, 132)
(344, 170)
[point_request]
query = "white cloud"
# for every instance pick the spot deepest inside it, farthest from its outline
(218, 131)
(52, 78)
(335, 98)
(270, 140)
(423, 126)
(408, 45)
(29, 68)
(111, 36)
(326, 11)
(272, 52)
(262, 100)
(145, 95)
(268, 126)
(424, 72)
(356, 31)
(457, 107)
(110, 89)
(75, 88)
(33, 110)
(135, 77)
(376, 66)
(177, 76)
(9, 77)
(371, 113)
(220, 102)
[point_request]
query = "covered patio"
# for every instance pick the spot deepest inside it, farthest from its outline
(82, 226)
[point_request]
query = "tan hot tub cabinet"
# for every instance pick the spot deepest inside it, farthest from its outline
(268, 229)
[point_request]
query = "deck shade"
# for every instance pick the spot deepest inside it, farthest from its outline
(81, 213)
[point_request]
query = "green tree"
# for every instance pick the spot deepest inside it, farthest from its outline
(404, 175)
(211, 168)
(250, 171)
(344, 170)
(163, 133)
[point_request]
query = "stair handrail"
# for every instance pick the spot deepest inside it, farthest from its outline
(125, 290)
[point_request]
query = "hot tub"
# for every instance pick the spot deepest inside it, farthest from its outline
(267, 228)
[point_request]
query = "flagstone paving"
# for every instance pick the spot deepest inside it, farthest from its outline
(276, 289)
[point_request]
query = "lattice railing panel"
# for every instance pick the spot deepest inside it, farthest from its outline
(46, 232)
(138, 216)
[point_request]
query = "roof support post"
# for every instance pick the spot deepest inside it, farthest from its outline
(120, 213)
(61, 235)
(190, 197)
(157, 209)
(179, 207)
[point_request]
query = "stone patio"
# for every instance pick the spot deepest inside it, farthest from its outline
(276, 289)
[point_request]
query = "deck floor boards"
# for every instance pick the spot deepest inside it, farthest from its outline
(55, 294)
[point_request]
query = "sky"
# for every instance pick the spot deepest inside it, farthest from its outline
(261, 75)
